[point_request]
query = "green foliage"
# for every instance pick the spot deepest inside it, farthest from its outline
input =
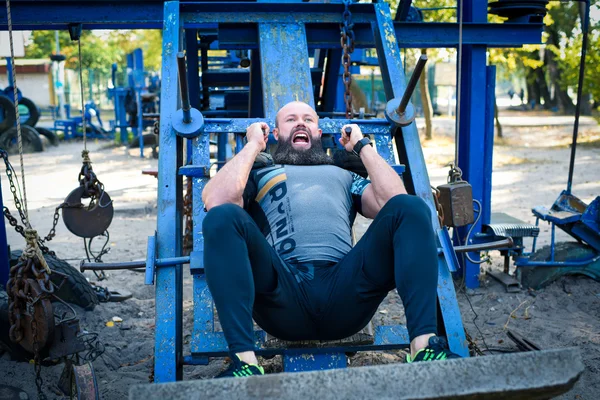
(99, 49)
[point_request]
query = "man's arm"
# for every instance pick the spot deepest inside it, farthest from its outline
(385, 182)
(227, 186)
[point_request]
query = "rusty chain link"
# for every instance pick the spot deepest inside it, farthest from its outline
(87, 178)
(455, 174)
(187, 213)
(438, 206)
(18, 205)
(347, 42)
(31, 265)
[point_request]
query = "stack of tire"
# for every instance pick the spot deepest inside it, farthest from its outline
(30, 115)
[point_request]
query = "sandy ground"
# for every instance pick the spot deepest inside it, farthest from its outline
(530, 168)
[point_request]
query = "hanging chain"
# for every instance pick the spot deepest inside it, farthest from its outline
(455, 174)
(83, 122)
(19, 206)
(187, 212)
(438, 205)
(347, 42)
(22, 303)
(16, 103)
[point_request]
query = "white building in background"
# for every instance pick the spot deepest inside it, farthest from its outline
(34, 79)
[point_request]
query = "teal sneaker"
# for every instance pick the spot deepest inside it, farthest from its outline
(437, 350)
(240, 369)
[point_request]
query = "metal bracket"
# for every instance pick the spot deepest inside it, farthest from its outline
(75, 31)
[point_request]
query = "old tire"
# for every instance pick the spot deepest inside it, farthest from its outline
(76, 289)
(34, 112)
(7, 114)
(31, 140)
(48, 134)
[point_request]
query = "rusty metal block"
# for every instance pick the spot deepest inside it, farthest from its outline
(456, 200)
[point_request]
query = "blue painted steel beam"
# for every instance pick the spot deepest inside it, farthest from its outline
(213, 344)
(168, 340)
(321, 19)
(472, 147)
(329, 126)
(409, 34)
(490, 108)
(411, 153)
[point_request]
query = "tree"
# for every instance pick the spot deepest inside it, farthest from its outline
(99, 49)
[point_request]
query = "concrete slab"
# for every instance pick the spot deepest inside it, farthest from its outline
(531, 375)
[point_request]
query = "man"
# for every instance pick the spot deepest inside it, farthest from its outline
(278, 244)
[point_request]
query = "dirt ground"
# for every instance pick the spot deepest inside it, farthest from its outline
(530, 169)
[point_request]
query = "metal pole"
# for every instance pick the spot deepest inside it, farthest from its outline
(412, 84)
(585, 24)
(9, 71)
(183, 85)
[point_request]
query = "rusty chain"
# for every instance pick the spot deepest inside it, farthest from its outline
(18, 205)
(438, 205)
(87, 178)
(187, 213)
(347, 42)
(31, 265)
(455, 174)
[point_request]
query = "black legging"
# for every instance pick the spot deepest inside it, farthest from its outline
(320, 300)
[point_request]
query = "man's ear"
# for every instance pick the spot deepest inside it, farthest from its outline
(320, 131)
(276, 133)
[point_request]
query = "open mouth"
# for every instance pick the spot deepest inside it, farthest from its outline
(301, 137)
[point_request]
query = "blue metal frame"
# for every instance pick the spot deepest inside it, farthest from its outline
(320, 22)
(473, 147)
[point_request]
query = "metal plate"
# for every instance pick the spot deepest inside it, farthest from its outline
(84, 222)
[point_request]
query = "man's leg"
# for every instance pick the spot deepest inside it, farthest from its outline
(398, 250)
(242, 272)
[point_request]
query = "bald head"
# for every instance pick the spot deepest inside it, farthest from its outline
(295, 107)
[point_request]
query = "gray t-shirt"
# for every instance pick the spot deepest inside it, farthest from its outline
(305, 212)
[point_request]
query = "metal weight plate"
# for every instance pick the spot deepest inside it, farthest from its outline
(87, 222)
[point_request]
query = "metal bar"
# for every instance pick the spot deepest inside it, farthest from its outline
(584, 44)
(409, 146)
(472, 119)
(402, 10)
(412, 83)
(164, 262)
(499, 244)
(168, 337)
(331, 79)
(329, 126)
(138, 78)
(183, 88)
(409, 34)
(490, 109)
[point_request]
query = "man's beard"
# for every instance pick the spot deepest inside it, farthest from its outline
(315, 155)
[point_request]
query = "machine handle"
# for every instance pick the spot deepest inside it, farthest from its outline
(183, 88)
(412, 84)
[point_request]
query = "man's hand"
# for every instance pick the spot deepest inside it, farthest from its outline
(258, 133)
(350, 141)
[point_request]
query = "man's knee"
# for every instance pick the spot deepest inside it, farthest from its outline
(221, 218)
(411, 207)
